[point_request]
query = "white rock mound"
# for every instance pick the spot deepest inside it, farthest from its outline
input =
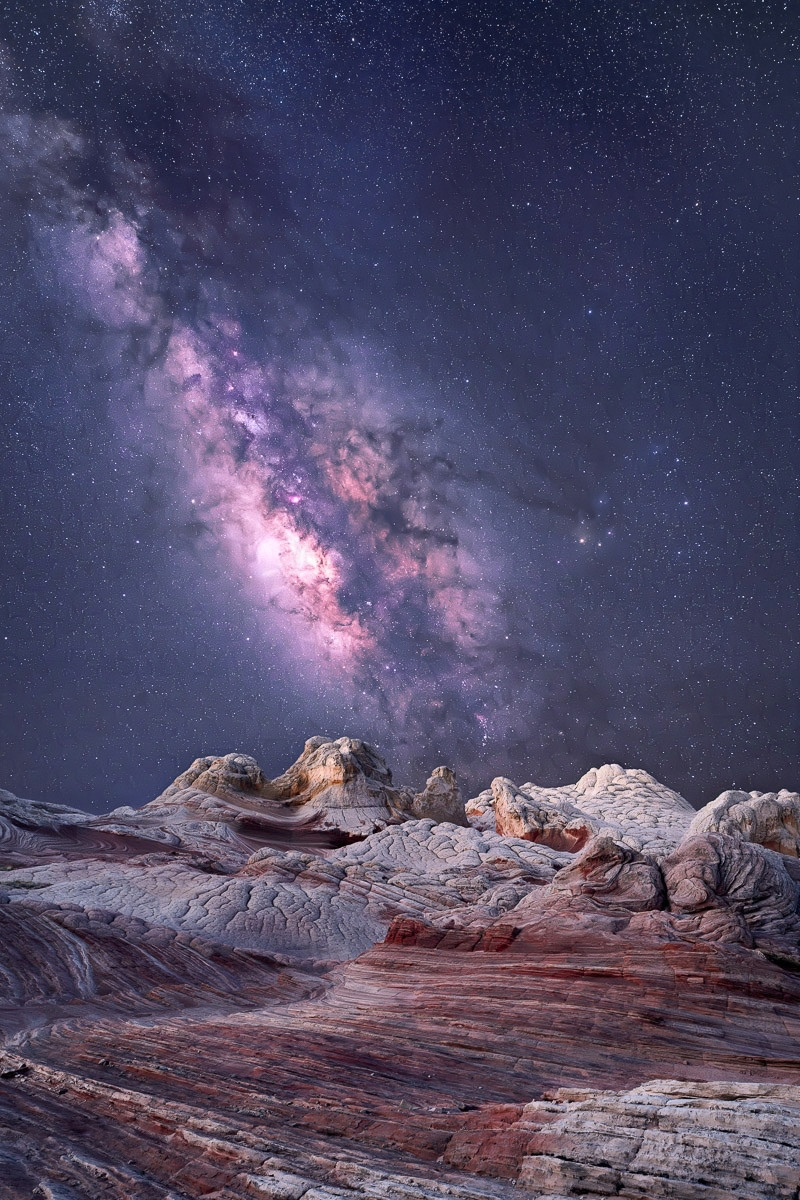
(625, 804)
(342, 785)
(771, 819)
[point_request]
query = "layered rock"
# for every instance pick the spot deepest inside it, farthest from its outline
(39, 816)
(712, 888)
(222, 807)
(612, 875)
(338, 787)
(666, 1139)
(56, 955)
(413, 1066)
(343, 784)
(33, 832)
(70, 1136)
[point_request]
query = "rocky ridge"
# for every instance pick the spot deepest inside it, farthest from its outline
(329, 985)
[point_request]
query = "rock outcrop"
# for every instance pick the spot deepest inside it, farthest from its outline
(555, 822)
(230, 776)
(771, 819)
(628, 805)
(727, 890)
(612, 875)
(480, 810)
(343, 784)
(666, 1139)
(440, 799)
(341, 787)
(712, 888)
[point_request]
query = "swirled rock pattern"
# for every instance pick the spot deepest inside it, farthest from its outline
(327, 985)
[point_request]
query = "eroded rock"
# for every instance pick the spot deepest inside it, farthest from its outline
(666, 1140)
(480, 810)
(628, 805)
(212, 1003)
(556, 823)
(228, 775)
(611, 874)
(724, 889)
(306, 906)
(344, 785)
(771, 819)
(441, 798)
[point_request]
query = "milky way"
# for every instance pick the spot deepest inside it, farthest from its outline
(340, 512)
(385, 373)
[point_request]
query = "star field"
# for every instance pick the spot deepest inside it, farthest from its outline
(427, 373)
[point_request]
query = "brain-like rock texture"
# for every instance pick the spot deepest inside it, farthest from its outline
(300, 905)
(629, 805)
(722, 888)
(552, 822)
(480, 809)
(771, 819)
(328, 984)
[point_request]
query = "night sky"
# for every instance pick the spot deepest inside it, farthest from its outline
(424, 372)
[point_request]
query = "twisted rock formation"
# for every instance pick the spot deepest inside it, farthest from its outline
(724, 889)
(330, 985)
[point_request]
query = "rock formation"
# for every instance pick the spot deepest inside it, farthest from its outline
(331, 985)
(770, 818)
(665, 1139)
(727, 890)
(341, 787)
(440, 799)
(629, 805)
(552, 822)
